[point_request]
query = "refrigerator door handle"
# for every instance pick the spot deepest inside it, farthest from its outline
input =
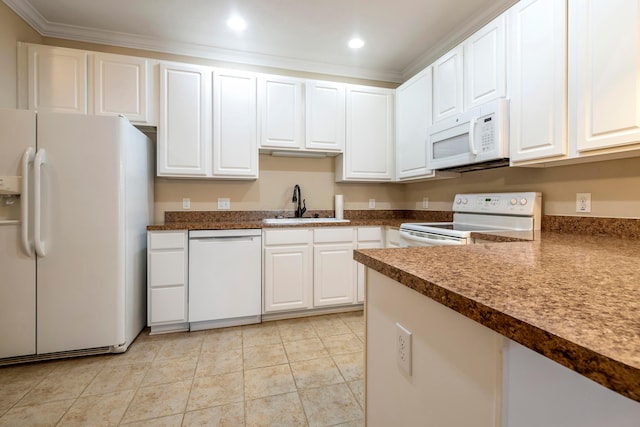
(27, 160)
(41, 158)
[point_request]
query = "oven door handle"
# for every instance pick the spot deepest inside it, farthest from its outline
(435, 242)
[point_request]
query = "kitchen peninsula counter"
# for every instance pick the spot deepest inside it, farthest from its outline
(574, 299)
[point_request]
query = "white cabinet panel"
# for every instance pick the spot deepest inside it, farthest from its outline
(235, 139)
(368, 238)
(448, 84)
(605, 64)
(325, 116)
(485, 64)
(184, 132)
(369, 145)
(288, 279)
(333, 274)
(167, 305)
(281, 112)
(413, 118)
(57, 79)
(537, 79)
(167, 268)
(121, 86)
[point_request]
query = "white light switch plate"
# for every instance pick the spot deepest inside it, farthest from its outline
(186, 203)
(372, 203)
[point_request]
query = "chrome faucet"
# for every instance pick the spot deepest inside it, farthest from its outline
(297, 196)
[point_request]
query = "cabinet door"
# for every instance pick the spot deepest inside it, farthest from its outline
(280, 112)
(184, 131)
(369, 145)
(605, 66)
(413, 118)
(447, 85)
(537, 79)
(325, 116)
(333, 274)
(57, 79)
(235, 139)
(121, 86)
(485, 67)
(288, 279)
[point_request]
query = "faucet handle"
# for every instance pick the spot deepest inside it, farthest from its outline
(304, 207)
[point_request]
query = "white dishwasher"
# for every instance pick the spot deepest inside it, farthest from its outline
(225, 278)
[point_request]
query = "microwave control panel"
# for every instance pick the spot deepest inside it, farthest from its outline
(487, 127)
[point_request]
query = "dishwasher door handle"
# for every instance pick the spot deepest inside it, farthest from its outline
(225, 238)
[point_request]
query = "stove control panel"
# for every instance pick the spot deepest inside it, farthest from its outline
(520, 204)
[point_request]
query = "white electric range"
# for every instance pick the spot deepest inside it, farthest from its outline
(490, 212)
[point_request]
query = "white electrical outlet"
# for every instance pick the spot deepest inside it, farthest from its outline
(224, 203)
(425, 202)
(372, 203)
(583, 202)
(403, 348)
(186, 203)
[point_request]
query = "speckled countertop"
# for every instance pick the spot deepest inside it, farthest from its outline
(216, 220)
(573, 298)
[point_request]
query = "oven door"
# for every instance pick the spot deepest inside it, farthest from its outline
(409, 238)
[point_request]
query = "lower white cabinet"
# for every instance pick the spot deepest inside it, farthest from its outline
(333, 266)
(288, 274)
(167, 278)
(368, 238)
(392, 238)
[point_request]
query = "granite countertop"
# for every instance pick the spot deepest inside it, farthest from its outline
(228, 220)
(236, 225)
(573, 298)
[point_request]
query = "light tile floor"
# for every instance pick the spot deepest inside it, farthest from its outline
(299, 372)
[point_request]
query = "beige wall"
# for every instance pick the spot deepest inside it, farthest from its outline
(615, 185)
(12, 30)
(274, 188)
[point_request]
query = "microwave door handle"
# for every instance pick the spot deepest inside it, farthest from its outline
(472, 144)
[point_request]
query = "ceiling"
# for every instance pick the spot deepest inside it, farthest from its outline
(401, 36)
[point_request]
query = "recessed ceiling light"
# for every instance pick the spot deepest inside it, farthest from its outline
(356, 43)
(236, 23)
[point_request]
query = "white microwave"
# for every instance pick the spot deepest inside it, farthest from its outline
(476, 139)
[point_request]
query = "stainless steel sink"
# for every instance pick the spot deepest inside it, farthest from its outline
(291, 221)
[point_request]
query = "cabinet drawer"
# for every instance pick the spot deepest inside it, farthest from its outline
(167, 240)
(167, 268)
(329, 235)
(287, 237)
(369, 233)
(168, 305)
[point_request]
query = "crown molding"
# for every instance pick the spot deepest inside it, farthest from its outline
(24, 9)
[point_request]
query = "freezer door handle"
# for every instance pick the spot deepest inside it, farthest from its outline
(27, 160)
(41, 158)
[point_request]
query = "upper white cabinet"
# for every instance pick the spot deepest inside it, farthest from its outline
(75, 81)
(369, 144)
(280, 102)
(413, 118)
(604, 83)
(325, 116)
(184, 131)
(448, 84)
(121, 86)
(537, 79)
(485, 66)
(57, 79)
(235, 139)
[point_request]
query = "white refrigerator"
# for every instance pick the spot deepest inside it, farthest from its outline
(73, 243)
